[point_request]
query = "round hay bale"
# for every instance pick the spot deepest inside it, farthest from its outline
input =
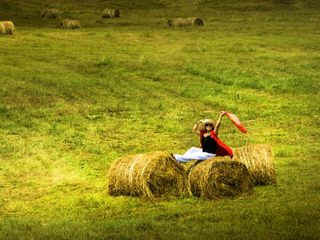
(149, 175)
(184, 22)
(111, 13)
(50, 13)
(7, 27)
(70, 24)
(259, 161)
(197, 21)
(219, 177)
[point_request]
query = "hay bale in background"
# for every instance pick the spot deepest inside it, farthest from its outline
(7, 27)
(183, 22)
(219, 177)
(259, 161)
(110, 13)
(70, 24)
(50, 13)
(148, 175)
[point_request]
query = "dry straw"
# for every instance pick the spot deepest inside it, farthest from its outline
(149, 175)
(184, 22)
(110, 13)
(259, 161)
(50, 13)
(70, 24)
(190, 164)
(219, 177)
(7, 27)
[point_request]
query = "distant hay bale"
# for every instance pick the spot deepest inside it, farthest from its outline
(7, 27)
(50, 13)
(110, 13)
(183, 22)
(259, 161)
(149, 175)
(70, 24)
(219, 177)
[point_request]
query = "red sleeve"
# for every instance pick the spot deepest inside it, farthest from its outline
(222, 148)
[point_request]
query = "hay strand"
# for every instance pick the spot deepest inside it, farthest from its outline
(184, 22)
(219, 177)
(259, 161)
(149, 175)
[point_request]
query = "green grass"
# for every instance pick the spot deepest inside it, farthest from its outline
(71, 102)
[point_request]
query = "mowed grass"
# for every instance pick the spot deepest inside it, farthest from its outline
(71, 102)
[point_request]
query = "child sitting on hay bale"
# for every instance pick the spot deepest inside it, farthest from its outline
(211, 145)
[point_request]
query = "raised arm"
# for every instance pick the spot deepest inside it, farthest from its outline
(195, 127)
(216, 128)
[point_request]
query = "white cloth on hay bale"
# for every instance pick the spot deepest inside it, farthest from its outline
(193, 154)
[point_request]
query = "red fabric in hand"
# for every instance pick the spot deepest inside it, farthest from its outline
(236, 122)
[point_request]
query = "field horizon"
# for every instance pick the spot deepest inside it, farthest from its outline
(73, 101)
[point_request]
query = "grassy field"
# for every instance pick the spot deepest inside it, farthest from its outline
(71, 102)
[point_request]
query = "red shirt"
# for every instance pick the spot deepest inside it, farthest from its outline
(222, 148)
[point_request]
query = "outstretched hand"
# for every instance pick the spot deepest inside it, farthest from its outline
(222, 113)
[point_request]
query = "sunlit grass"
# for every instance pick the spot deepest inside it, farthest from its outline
(71, 102)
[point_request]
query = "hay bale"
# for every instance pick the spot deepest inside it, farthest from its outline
(50, 13)
(147, 175)
(110, 13)
(259, 161)
(183, 22)
(219, 177)
(70, 24)
(7, 27)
